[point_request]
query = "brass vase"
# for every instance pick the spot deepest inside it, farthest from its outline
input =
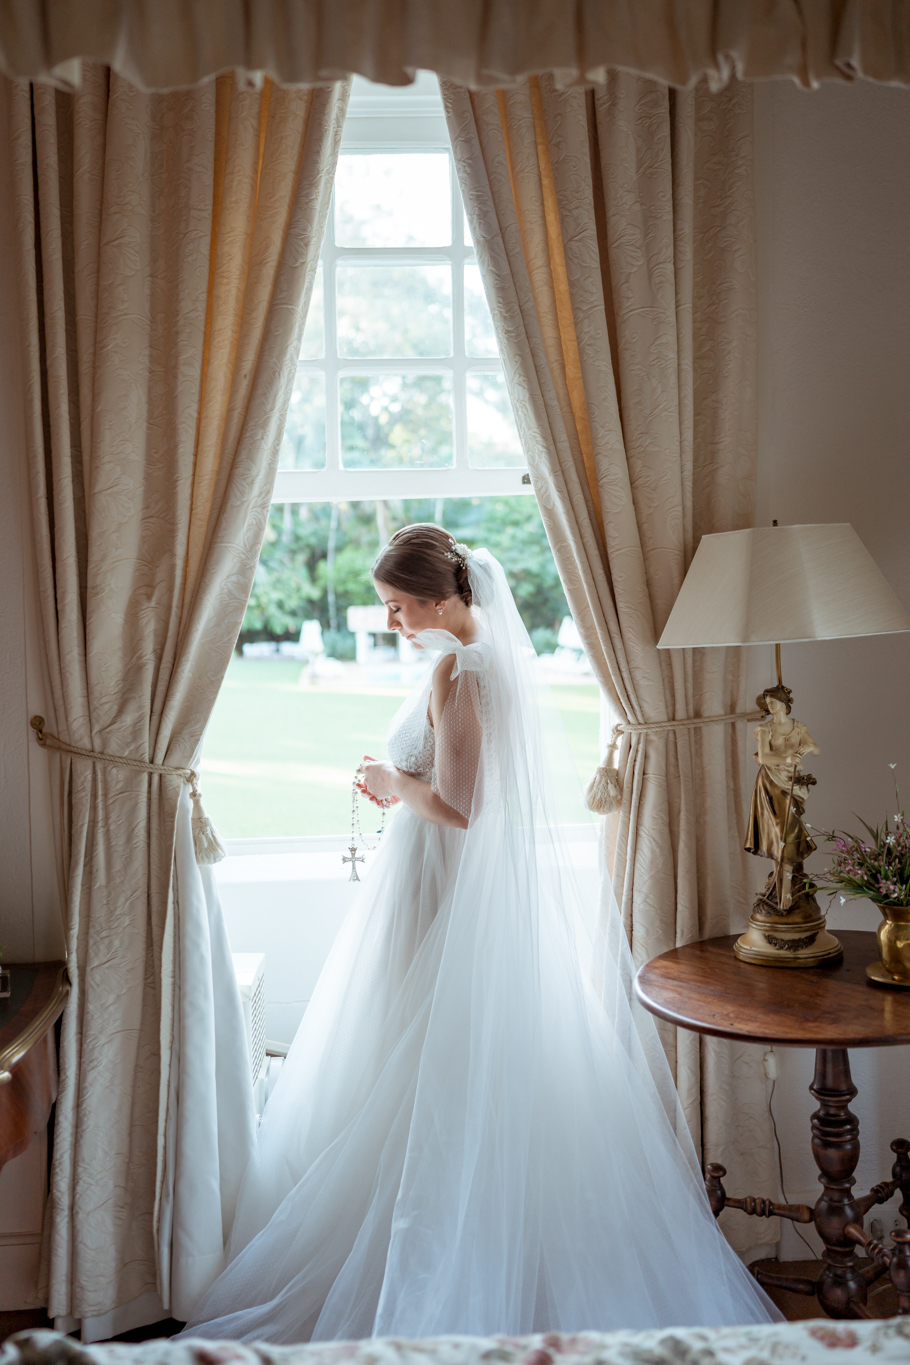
(894, 941)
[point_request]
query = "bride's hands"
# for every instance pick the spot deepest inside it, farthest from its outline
(378, 782)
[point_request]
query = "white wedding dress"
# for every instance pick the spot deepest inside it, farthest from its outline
(474, 1130)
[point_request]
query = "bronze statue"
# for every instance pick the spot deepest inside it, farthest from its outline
(776, 829)
(787, 926)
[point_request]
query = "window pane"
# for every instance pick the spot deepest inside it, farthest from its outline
(393, 199)
(391, 421)
(492, 435)
(479, 337)
(313, 347)
(394, 310)
(303, 445)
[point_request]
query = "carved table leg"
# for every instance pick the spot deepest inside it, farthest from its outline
(901, 1173)
(900, 1270)
(759, 1208)
(835, 1146)
(838, 1216)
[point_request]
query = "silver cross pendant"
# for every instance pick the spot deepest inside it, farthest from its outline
(354, 859)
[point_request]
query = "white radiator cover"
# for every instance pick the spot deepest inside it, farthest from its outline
(249, 970)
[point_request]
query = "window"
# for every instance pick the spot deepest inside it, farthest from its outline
(399, 389)
(399, 413)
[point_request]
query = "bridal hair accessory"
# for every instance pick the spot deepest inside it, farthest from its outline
(358, 788)
(603, 794)
(207, 847)
(459, 553)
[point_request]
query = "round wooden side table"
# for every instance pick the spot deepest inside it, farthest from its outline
(703, 987)
(28, 1055)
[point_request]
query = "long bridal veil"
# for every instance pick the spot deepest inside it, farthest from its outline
(475, 1129)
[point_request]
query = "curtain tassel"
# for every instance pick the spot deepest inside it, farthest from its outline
(603, 794)
(206, 844)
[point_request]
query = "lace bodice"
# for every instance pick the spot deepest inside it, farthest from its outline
(411, 743)
(447, 760)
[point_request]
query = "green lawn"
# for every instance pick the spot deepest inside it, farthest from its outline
(279, 759)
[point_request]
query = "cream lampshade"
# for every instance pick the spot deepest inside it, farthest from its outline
(773, 585)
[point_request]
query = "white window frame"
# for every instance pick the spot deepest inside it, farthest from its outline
(398, 122)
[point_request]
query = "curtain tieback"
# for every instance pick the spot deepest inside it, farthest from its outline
(603, 794)
(206, 844)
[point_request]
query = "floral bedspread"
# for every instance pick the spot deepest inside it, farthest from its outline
(796, 1343)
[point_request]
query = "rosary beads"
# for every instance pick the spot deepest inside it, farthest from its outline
(352, 856)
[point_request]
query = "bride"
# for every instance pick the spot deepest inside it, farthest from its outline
(474, 1130)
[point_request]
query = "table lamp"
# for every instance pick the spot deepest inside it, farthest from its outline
(777, 585)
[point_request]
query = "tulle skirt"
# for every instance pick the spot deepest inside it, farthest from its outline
(466, 1136)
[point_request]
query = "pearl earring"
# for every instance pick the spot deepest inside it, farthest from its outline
(439, 611)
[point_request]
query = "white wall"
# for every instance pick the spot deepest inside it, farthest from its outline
(30, 919)
(833, 207)
(286, 898)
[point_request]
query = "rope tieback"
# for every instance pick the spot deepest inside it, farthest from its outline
(206, 844)
(603, 794)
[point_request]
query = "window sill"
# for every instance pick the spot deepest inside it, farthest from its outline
(285, 860)
(318, 857)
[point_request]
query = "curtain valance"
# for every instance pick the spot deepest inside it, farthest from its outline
(167, 44)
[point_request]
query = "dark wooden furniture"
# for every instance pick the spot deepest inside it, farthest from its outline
(28, 1060)
(703, 987)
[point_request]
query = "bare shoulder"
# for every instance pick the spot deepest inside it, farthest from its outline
(442, 685)
(443, 682)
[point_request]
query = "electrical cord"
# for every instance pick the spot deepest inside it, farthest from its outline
(780, 1168)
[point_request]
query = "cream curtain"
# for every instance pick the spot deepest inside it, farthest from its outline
(164, 44)
(614, 231)
(168, 247)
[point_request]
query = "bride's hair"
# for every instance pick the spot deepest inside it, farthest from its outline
(422, 561)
